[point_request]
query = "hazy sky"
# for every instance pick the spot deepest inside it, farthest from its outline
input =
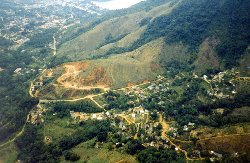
(117, 4)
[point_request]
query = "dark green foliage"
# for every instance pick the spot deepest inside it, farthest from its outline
(5, 42)
(69, 156)
(152, 155)
(118, 101)
(41, 40)
(145, 21)
(63, 108)
(218, 120)
(110, 39)
(33, 149)
(154, 115)
(174, 67)
(134, 146)
(14, 98)
(193, 21)
(89, 131)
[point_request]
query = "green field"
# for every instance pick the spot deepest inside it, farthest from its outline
(101, 155)
(8, 154)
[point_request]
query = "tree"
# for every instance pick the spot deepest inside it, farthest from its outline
(69, 156)
(134, 146)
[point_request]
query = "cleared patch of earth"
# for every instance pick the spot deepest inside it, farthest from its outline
(71, 78)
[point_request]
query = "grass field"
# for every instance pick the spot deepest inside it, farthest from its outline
(101, 155)
(55, 128)
(228, 144)
(207, 132)
(100, 100)
(8, 154)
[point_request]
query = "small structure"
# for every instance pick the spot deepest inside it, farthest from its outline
(99, 118)
(18, 70)
(107, 113)
(191, 124)
(185, 128)
(39, 84)
(216, 154)
(94, 116)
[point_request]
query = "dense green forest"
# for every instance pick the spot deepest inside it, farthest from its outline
(193, 21)
(63, 108)
(15, 100)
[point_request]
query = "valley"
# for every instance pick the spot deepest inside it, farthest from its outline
(160, 81)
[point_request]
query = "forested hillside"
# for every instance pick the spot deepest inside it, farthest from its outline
(161, 81)
(188, 23)
(193, 21)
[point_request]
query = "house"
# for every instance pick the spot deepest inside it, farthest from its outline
(139, 110)
(99, 118)
(77, 115)
(39, 83)
(142, 111)
(191, 124)
(107, 113)
(113, 124)
(151, 87)
(216, 154)
(18, 70)
(161, 102)
(185, 128)
(121, 125)
(205, 77)
(94, 116)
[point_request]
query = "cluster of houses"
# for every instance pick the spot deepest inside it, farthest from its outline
(80, 116)
(22, 71)
(36, 86)
(222, 85)
(188, 126)
(216, 156)
(35, 116)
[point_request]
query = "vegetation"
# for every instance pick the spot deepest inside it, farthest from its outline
(33, 149)
(152, 155)
(63, 108)
(118, 101)
(180, 96)
(194, 21)
(15, 101)
(41, 40)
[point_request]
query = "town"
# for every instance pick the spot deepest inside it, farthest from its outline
(134, 118)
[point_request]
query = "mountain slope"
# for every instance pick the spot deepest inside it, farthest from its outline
(112, 30)
(188, 33)
(71, 79)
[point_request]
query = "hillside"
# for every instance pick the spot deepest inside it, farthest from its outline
(187, 22)
(193, 38)
(161, 81)
(116, 32)
(110, 73)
